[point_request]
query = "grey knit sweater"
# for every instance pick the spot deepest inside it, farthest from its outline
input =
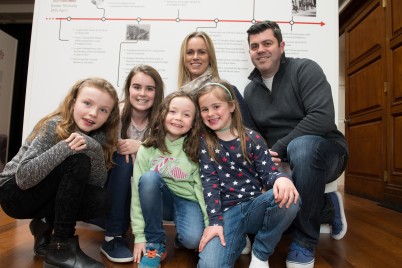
(37, 158)
(299, 103)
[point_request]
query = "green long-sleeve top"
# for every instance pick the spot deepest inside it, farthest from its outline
(181, 175)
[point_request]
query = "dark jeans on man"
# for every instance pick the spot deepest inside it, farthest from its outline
(314, 161)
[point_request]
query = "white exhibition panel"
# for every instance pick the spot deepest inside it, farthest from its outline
(74, 39)
(8, 56)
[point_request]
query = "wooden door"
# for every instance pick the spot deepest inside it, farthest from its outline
(373, 102)
(393, 182)
(365, 102)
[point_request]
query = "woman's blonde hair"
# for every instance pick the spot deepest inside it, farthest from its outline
(159, 95)
(184, 74)
(158, 132)
(224, 91)
(67, 125)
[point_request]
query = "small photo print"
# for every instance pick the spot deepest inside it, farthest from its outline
(304, 8)
(138, 32)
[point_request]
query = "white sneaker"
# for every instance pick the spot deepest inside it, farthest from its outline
(257, 263)
(247, 248)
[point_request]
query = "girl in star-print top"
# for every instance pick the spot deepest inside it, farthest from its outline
(243, 191)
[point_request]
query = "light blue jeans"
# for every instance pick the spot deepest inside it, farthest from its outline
(260, 216)
(158, 203)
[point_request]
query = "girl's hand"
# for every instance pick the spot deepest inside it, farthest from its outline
(274, 156)
(139, 250)
(285, 192)
(209, 233)
(76, 142)
(128, 147)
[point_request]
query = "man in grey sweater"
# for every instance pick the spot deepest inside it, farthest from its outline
(291, 104)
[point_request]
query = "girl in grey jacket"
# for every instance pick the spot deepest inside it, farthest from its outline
(57, 177)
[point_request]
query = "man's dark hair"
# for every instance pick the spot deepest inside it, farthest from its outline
(261, 26)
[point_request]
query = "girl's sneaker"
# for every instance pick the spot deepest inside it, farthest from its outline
(247, 249)
(117, 250)
(155, 253)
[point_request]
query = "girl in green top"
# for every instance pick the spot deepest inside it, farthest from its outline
(167, 183)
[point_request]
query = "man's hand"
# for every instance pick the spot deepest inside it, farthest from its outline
(274, 156)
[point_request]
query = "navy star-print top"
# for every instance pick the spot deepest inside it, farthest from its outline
(232, 179)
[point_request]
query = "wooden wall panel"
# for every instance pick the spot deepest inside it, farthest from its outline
(397, 150)
(363, 151)
(396, 17)
(366, 88)
(397, 74)
(367, 35)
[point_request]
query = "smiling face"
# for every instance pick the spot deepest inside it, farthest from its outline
(265, 52)
(142, 92)
(92, 108)
(179, 118)
(215, 113)
(196, 58)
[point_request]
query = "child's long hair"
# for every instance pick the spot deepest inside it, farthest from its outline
(158, 133)
(126, 112)
(224, 91)
(68, 126)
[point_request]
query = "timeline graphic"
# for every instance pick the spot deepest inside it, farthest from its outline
(178, 19)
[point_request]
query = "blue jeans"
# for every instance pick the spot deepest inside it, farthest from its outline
(117, 220)
(158, 203)
(314, 161)
(260, 216)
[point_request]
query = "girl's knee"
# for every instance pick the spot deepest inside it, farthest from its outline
(149, 180)
(294, 208)
(190, 240)
(79, 161)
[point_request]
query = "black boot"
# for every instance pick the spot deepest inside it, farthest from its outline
(68, 254)
(41, 232)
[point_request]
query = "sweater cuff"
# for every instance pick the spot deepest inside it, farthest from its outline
(281, 149)
(139, 238)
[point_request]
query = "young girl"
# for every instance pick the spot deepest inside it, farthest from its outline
(57, 177)
(143, 93)
(235, 167)
(167, 184)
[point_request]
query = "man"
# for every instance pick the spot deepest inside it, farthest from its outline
(291, 104)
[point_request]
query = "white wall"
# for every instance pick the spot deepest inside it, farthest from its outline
(341, 94)
(8, 55)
